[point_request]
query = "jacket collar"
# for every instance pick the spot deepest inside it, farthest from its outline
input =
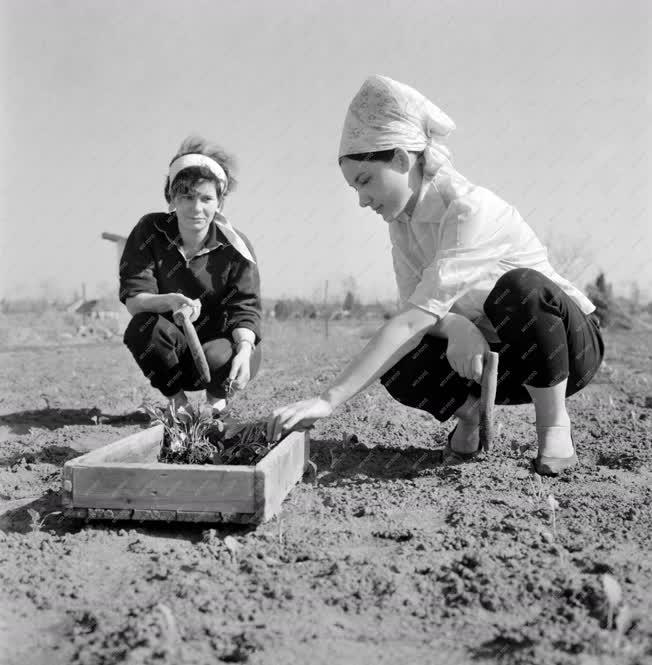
(170, 229)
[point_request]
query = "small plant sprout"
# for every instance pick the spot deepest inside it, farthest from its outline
(35, 518)
(230, 388)
(36, 523)
(614, 594)
(532, 498)
(538, 490)
(233, 546)
(333, 461)
(279, 522)
(554, 505)
(170, 637)
(624, 621)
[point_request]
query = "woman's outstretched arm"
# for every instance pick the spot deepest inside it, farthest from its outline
(398, 337)
(391, 343)
(394, 340)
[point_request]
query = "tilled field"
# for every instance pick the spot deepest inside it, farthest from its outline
(385, 557)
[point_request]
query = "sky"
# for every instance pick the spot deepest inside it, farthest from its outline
(551, 101)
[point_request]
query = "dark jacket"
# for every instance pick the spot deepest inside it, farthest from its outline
(227, 285)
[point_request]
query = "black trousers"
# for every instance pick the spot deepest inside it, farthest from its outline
(544, 338)
(162, 353)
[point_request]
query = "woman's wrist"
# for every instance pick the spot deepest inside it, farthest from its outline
(166, 303)
(333, 396)
(158, 303)
(243, 346)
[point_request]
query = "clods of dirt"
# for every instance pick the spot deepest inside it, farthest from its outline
(382, 555)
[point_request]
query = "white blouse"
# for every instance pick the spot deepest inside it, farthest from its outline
(458, 241)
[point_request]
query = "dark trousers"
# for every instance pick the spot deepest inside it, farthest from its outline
(162, 353)
(544, 338)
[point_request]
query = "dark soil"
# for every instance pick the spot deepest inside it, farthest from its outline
(385, 557)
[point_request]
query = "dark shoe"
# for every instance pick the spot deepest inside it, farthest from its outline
(551, 466)
(453, 456)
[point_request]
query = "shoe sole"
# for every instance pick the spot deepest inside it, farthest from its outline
(551, 466)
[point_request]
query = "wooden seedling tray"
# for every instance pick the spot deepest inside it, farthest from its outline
(123, 480)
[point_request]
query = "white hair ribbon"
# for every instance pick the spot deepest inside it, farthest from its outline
(186, 161)
(232, 236)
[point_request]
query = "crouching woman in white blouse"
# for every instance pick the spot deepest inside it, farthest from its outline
(472, 276)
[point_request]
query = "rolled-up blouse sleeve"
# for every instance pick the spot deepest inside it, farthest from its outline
(473, 237)
(137, 265)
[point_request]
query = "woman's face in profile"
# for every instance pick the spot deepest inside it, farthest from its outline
(197, 207)
(385, 187)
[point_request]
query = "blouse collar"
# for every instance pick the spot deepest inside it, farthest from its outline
(435, 195)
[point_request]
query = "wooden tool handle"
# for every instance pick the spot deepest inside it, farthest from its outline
(488, 398)
(182, 315)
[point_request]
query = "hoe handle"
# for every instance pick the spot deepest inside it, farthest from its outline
(487, 399)
(182, 316)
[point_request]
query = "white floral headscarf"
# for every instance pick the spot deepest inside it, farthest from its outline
(386, 114)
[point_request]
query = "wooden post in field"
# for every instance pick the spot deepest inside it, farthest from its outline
(325, 309)
(120, 242)
(84, 313)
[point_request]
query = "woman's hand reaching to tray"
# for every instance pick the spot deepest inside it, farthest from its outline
(297, 416)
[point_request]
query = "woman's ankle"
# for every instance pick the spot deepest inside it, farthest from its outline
(469, 413)
(550, 405)
(561, 419)
(555, 440)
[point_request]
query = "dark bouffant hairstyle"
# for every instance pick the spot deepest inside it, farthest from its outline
(380, 156)
(187, 179)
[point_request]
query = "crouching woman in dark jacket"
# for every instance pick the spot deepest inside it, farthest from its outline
(193, 256)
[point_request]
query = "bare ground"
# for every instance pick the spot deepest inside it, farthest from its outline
(386, 557)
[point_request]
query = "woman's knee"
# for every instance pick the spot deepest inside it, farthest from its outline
(218, 353)
(140, 329)
(513, 292)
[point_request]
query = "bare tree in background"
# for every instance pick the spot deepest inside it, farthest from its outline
(571, 258)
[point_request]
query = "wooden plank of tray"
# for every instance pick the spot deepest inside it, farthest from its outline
(279, 471)
(156, 486)
(160, 515)
(139, 447)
